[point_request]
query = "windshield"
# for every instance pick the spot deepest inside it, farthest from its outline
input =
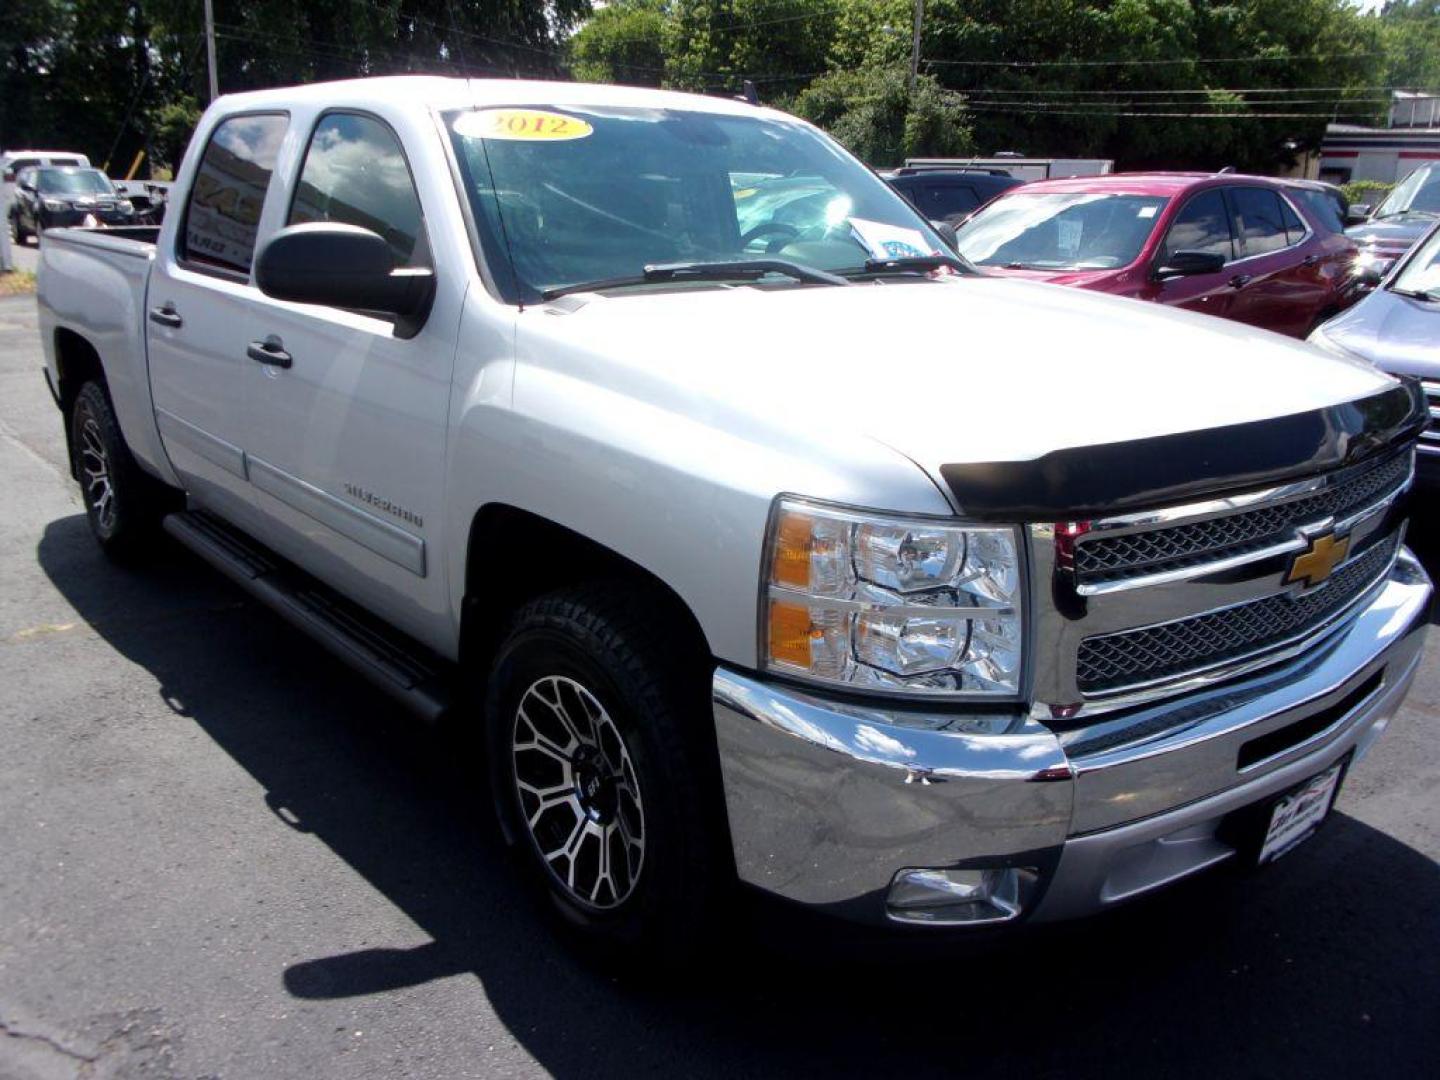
(1418, 193)
(582, 194)
(74, 182)
(1060, 231)
(1421, 273)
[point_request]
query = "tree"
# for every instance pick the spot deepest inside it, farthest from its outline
(622, 43)
(1410, 33)
(875, 116)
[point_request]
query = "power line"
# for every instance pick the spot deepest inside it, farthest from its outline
(1147, 62)
(1206, 90)
(1233, 115)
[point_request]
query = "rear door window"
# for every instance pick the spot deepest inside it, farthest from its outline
(1258, 221)
(1203, 224)
(355, 173)
(1294, 228)
(223, 210)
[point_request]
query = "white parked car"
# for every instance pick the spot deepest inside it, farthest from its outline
(743, 562)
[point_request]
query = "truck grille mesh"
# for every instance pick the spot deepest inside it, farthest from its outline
(1153, 653)
(1113, 558)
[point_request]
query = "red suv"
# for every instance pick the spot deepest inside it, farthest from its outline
(1249, 248)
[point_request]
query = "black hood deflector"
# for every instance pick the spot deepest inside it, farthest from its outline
(1096, 481)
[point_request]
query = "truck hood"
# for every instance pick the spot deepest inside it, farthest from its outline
(963, 370)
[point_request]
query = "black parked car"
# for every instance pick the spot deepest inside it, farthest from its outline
(49, 197)
(949, 195)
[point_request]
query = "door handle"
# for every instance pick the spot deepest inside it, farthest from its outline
(166, 315)
(1239, 281)
(271, 351)
(1310, 260)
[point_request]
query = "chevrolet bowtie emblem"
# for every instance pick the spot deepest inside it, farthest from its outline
(1315, 563)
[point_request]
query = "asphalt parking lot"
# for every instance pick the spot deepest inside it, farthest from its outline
(221, 855)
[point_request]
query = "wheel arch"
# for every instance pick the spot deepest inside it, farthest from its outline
(503, 537)
(77, 362)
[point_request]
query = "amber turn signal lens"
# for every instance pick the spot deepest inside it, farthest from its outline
(791, 561)
(791, 632)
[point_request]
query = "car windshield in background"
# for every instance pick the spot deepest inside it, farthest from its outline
(1418, 194)
(1421, 275)
(73, 182)
(585, 194)
(1060, 231)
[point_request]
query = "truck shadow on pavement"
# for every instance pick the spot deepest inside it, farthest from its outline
(1326, 966)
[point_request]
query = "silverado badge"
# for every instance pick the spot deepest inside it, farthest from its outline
(1315, 563)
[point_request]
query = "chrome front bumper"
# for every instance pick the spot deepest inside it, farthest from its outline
(829, 800)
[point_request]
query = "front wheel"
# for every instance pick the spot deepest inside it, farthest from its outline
(602, 766)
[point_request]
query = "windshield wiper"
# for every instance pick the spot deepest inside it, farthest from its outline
(909, 264)
(1432, 295)
(743, 270)
(1402, 213)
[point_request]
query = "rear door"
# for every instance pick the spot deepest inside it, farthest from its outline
(346, 435)
(1277, 281)
(1201, 224)
(196, 309)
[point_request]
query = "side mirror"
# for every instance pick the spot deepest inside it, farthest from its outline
(1190, 263)
(1367, 275)
(947, 233)
(1358, 214)
(344, 266)
(9, 176)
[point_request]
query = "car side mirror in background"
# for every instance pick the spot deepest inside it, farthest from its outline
(344, 266)
(1367, 275)
(947, 233)
(1358, 214)
(1189, 263)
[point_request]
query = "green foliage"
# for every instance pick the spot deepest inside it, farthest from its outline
(1366, 191)
(1140, 81)
(875, 116)
(110, 77)
(622, 43)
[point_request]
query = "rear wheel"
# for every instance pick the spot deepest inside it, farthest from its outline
(602, 774)
(122, 502)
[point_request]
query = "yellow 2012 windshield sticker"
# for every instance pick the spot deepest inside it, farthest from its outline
(522, 125)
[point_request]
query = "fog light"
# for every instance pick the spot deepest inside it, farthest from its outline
(959, 897)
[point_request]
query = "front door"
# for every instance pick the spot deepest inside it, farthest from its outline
(198, 302)
(1201, 224)
(347, 420)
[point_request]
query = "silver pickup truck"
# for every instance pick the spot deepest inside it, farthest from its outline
(654, 440)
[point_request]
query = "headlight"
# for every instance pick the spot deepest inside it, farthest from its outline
(53, 204)
(889, 603)
(126, 206)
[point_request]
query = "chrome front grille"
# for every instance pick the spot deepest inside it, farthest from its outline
(1187, 646)
(1102, 557)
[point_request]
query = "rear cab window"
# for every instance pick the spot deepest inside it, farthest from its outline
(222, 211)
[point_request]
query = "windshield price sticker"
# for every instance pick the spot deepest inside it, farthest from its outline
(522, 125)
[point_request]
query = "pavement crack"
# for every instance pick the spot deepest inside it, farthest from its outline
(10, 1031)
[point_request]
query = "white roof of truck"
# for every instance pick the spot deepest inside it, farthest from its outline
(433, 92)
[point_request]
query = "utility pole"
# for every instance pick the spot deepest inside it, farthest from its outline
(210, 49)
(914, 48)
